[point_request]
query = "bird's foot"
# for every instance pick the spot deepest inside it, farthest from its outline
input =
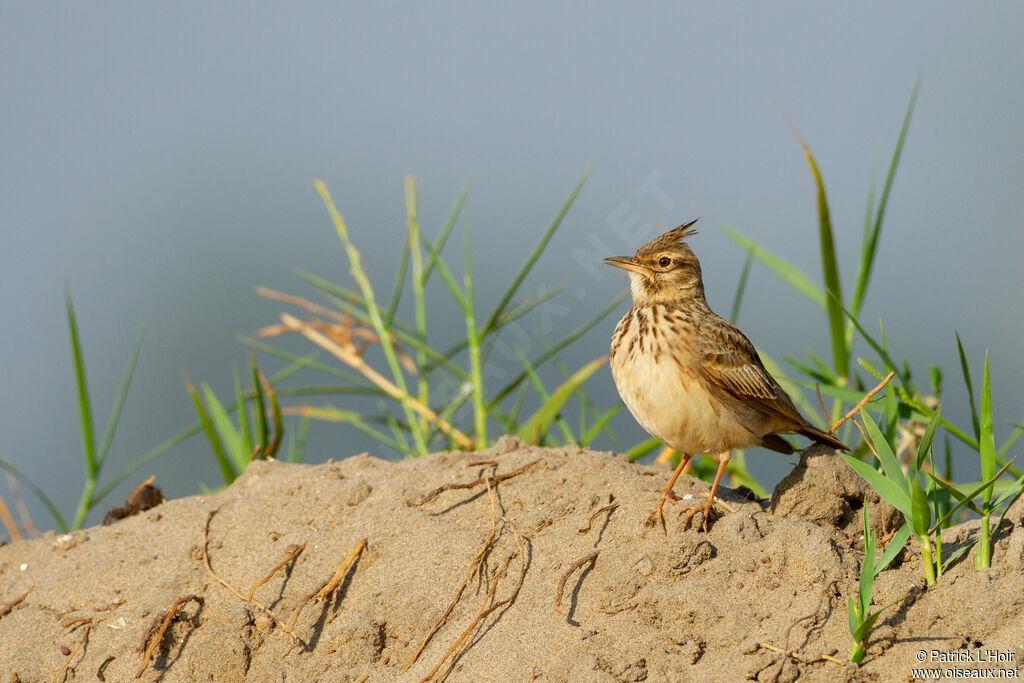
(687, 512)
(656, 518)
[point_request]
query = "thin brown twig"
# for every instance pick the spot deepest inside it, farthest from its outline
(6, 609)
(606, 508)
(328, 586)
(154, 640)
(592, 557)
(293, 555)
(285, 628)
(476, 482)
(62, 673)
(800, 658)
(339, 574)
(356, 361)
(867, 397)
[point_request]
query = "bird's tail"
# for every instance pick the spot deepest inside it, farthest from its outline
(826, 438)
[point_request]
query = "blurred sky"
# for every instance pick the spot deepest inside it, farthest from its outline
(159, 159)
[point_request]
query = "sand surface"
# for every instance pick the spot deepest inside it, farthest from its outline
(637, 604)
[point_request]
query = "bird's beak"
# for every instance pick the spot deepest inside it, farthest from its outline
(626, 263)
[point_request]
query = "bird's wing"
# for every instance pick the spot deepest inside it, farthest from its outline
(731, 362)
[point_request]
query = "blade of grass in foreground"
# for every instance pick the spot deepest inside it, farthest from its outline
(553, 351)
(525, 269)
(84, 411)
(477, 382)
(378, 324)
(987, 453)
(829, 267)
(741, 287)
(792, 275)
(970, 389)
(537, 425)
(869, 247)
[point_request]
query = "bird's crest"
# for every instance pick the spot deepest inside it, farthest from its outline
(670, 239)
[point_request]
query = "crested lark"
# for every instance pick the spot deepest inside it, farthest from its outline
(690, 378)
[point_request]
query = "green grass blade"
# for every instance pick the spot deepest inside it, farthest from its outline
(792, 275)
(885, 487)
(446, 229)
(245, 433)
(643, 448)
(276, 419)
(229, 436)
(925, 445)
(537, 250)
(40, 494)
(550, 353)
(92, 465)
(965, 498)
(970, 388)
(870, 245)
(542, 392)
(741, 286)
(885, 453)
(297, 446)
(538, 424)
(829, 268)
(84, 404)
(1018, 429)
(378, 324)
(119, 399)
(894, 547)
(329, 413)
(259, 406)
(227, 471)
(599, 425)
(987, 452)
(398, 286)
(473, 338)
(415, 250)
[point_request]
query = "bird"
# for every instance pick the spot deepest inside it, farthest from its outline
(689, 377)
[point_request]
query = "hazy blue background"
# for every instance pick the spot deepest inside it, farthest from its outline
(159, 159)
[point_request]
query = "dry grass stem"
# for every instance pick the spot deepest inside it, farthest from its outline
(154, 640)
(8, 522)
(800, 658)
(592, 557)
(62, 673)
(349, 355)
(19, 503)
(343, 331)
(342, 570)
(293, 555)
(867, 397)
(476, 482)
(328, 586)
(216, 577)
(606, 508)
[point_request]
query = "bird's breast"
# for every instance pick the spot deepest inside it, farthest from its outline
(658, 375)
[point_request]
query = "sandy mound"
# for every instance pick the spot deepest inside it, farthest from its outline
(639, 605)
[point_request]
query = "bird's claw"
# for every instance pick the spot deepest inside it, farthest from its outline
(656, 518)
(687, 513)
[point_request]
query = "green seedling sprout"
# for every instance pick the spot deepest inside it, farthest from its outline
(861, 619)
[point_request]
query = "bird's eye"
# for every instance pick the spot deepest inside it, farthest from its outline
(664, 261)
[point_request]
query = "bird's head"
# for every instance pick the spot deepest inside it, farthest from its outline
(664, 270)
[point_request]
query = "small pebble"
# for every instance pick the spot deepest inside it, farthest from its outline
(65, 650)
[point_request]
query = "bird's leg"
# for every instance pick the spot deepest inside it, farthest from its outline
(707, 505)
(666, 493)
